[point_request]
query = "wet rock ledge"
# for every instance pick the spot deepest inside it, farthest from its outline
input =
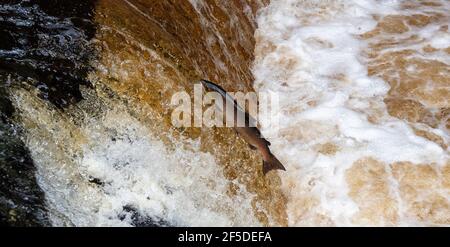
(45, 43)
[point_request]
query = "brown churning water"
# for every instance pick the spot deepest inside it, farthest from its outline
(364, 89)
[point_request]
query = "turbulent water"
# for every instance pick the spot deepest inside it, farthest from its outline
(364, 90)
(85, 107)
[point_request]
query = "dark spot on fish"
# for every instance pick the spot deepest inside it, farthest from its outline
(169, 190)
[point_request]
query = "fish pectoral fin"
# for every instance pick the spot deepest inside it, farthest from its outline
(252, 147)
(262, 137)
(266, 167)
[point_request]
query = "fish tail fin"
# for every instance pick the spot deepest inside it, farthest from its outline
(272, 164)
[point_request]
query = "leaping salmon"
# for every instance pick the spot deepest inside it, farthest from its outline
(250, 134)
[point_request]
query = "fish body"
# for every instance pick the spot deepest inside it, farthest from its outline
(250, 133)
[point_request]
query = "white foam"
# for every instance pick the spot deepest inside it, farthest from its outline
(327, 67)
(180, 185)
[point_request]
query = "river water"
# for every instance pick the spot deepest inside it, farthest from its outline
(364, 113)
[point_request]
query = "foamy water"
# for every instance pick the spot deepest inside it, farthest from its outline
(99, 166)
(335, 129)
(364, 115)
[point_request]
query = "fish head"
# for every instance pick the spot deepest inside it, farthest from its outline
(211, 86)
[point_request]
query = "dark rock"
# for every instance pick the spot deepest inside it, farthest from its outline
(96, 181)
(44, 43)
(47, 42)
(21, 199)
(140, 220)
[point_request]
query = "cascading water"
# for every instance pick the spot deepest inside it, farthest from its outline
(87, 138)
(364, 89)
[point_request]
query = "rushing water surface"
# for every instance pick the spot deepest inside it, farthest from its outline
(365, 89)
(86, 136)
